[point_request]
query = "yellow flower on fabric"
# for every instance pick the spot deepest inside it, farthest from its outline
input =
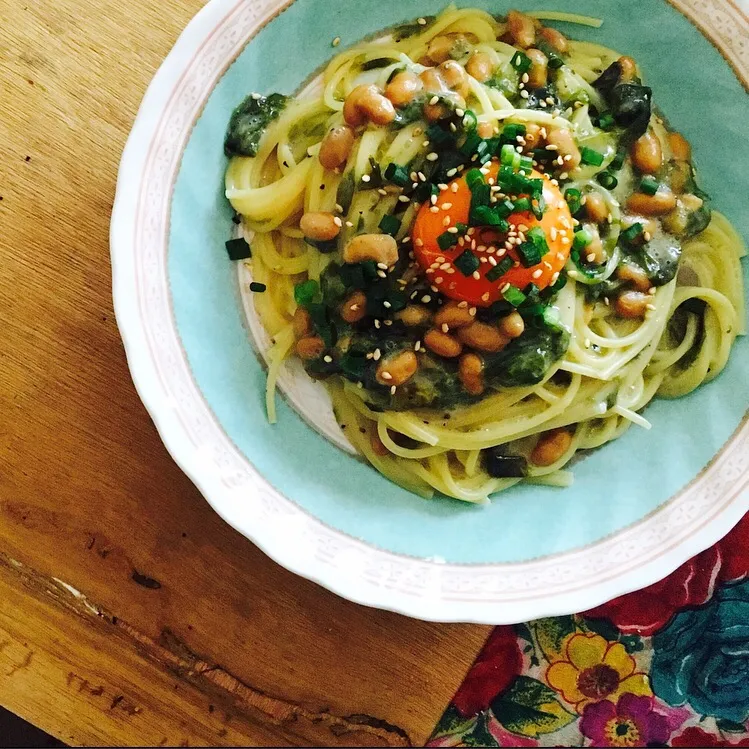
(593, 669)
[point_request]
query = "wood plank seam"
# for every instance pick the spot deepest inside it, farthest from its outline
(171, 653)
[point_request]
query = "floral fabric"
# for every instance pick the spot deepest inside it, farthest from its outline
(665, 666)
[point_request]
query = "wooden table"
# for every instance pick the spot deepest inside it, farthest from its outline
(129, 612)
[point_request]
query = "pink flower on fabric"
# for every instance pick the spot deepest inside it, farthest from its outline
(632, 721)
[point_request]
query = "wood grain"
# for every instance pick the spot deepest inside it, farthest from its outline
(116, 578)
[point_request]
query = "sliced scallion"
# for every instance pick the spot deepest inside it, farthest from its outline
(573, 198)
(500, 269)
(633, 233)
(521, 62)
(389, 225)
(397, 174)
(607, 180)
(649, 185)
(513, 295)
(466, 263)
(446, 240)
(238, 249)
(591, 156)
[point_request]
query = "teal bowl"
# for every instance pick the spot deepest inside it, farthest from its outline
(639, 507)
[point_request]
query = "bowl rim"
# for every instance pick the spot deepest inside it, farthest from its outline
(634, 557)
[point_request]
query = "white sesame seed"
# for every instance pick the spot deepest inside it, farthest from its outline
(435, 209)
(444, 327)
(437, 280)
(453, 229)
(421, 21)
(524, 94)
(404, 198)
(365, 178)
(392, 389)
(452, 173)
(453, 127)
(386, 376)
(327, 359)
(586, 343)
(492, 261)
(555, 276)
(476, 275)
(336, 41)
(421, 176)
(417, 345)
(426, 299)
(442, 186)
(552, 147)
(485, 297)
(382, 274)
(537, 273)
(650, 306)
(434, 100)
(446, 221)
(349, 224)
(651, 290)
(406, 239)
(339, 207)
(472, 312)
(337, 221)
(525, 78)
(590, 257)
(419, 242)
(377, 354)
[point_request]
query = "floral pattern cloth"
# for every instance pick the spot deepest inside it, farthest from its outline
(665, 666)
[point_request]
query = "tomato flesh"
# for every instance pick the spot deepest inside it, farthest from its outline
(453, 207)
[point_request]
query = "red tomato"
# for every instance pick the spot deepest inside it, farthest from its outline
(453, 208)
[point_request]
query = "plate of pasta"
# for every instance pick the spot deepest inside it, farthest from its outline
(447, 312)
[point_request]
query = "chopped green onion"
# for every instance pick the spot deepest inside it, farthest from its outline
(606, 121)
(514, 296)
(470, 121)
(483, 215)
(590, 156)
(607, 180)
(574, 199)
(512, 130)
(582, 239)
(397, 174)
(500, 269)
(480, 194)
(238, 249)
(306, 292)
(424, 191)
(633, 233)
(508, 155)
(618, 161)
(555, 59)
(466, 263)
(257, 287)
(390, 225)
(534, 248)
(525, 164)
(471, 143)
(377, 62)
(521, 62)
(474, 177)
(485, 150)
(507, 207)
(649, 185)
(446, 240)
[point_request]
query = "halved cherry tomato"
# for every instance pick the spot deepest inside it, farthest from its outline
(485, 242)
